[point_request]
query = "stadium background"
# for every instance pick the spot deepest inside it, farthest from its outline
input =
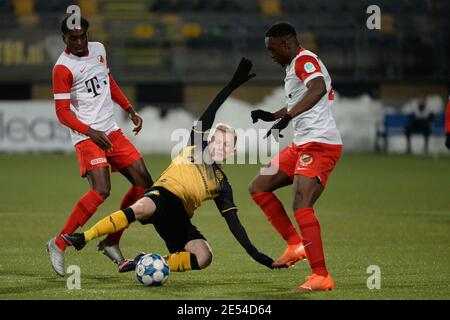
(170, 57)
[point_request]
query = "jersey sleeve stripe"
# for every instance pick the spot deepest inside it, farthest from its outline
(62, 79)
(313, 76)
(229, 209)
(199, 131)
(61, 96)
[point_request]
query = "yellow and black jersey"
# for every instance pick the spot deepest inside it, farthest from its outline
(193, 177)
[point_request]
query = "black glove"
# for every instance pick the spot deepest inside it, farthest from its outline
(241, 75)
(263, 115)
(261, 258)
(447, 141)
(280, 125)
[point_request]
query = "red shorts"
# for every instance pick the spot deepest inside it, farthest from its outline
(311, 159)
(91, 156)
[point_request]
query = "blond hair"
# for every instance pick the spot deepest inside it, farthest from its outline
(225, 128)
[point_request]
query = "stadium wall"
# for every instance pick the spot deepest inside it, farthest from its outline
(32, 126)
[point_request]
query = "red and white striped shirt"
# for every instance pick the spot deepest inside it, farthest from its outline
(84, 91)
(316, 124)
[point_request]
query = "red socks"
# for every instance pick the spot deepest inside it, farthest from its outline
(133, 195)
(310, 229)
(275, 213)
(307, 222)
(83, 210)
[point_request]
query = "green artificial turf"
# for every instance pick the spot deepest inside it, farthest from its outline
(388, 211)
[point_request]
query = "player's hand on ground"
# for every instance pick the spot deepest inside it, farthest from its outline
(447, 141)
(263, 115)
(263, 259)
(137, 120)
(277, 127)
(100, 139)
(279, 266)
(242, 73)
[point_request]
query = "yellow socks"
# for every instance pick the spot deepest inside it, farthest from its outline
(110, 224)
(182, 261)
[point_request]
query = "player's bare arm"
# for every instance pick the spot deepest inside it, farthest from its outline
(316, 90)
(137, 120)
(281, 113)
(119, 97)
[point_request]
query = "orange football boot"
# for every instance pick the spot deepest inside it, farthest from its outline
(291, 255)
(316, 283)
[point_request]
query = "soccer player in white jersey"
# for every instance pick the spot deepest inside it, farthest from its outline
(84, 91)
(308, 162)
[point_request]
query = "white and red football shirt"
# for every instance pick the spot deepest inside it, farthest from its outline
(316, 124)
(84, 85)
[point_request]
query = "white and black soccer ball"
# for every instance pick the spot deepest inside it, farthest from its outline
(152, 270)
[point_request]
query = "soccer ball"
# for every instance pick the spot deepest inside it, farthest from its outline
(152, 270)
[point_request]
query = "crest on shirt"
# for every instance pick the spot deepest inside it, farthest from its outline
(306, 159)
(154, 192)
(101, 59)
(309, 67)
(219, 175)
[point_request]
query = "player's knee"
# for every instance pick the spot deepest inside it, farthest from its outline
(141, 210)
(204, 259)
(300, 204)
(301, 200)
(255, 186)
(148, 181)
(145, 180)
(251, 188)
(103, 192)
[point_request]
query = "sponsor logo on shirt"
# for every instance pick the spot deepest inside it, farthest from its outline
(101, 59)
(309, 67)
(97, 161)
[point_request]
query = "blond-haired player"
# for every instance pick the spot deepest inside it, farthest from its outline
(194, 176)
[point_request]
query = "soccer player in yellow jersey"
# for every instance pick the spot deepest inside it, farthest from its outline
(194, 176)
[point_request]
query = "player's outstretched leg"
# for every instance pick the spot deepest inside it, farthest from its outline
(56, 257)
(110, 245)
(116, 221)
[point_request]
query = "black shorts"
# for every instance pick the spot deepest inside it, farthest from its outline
(171, 220)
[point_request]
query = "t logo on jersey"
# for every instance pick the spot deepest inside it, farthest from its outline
(91, 85)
